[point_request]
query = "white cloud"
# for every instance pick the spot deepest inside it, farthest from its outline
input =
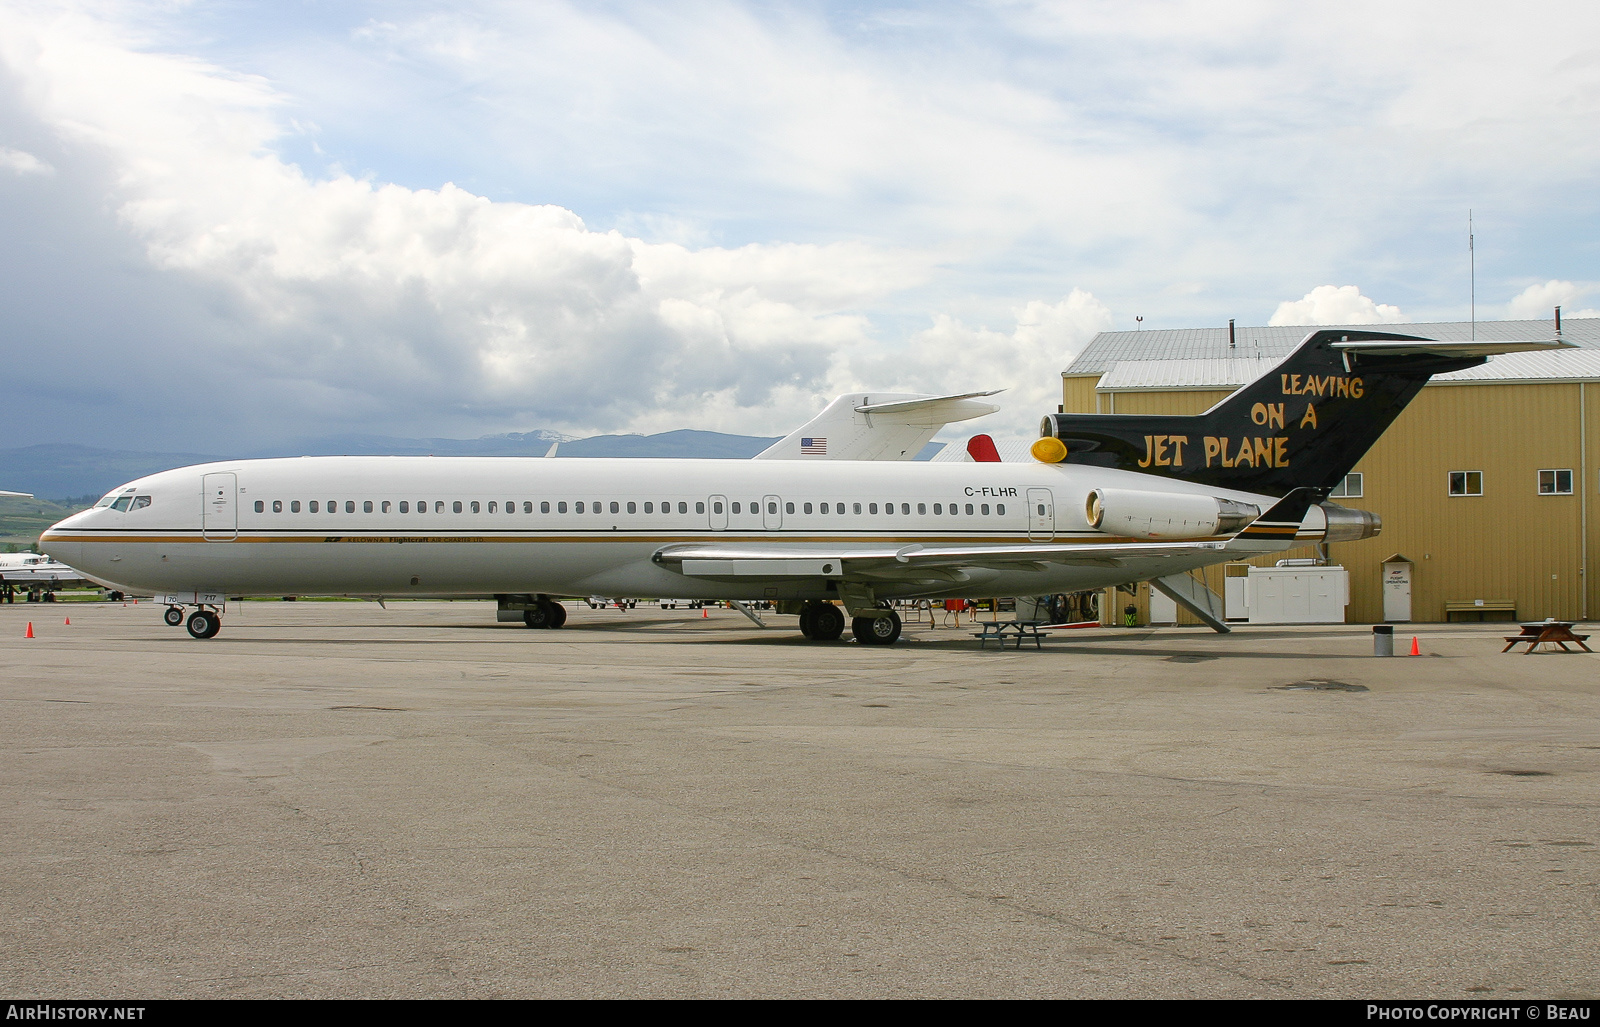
(21, 163)
(1540, 301)
(1335, 305)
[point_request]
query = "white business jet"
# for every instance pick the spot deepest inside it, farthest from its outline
(1109, 499)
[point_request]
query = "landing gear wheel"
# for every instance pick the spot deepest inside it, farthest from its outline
(877, 630)
(537, 616)
(204, 624)
(173, 616)
(807, 614)
(558, 615)
(827, 623)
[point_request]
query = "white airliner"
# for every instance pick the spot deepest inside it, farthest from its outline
(1110, 499)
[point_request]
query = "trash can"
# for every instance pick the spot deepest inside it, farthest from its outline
(1130, 616)
(1383, 640)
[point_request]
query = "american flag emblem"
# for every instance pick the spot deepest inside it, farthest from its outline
(814, 447)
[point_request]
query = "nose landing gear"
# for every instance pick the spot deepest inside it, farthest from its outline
(202, 623)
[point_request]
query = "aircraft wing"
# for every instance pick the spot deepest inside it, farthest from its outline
(913, 561)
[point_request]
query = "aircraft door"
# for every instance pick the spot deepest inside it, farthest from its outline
(717, 510)
(771, 513)
(219, 515)
(1041, 515)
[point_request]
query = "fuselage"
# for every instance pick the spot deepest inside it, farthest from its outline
(479, 526)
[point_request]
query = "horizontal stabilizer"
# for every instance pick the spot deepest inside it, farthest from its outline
(1435, 348)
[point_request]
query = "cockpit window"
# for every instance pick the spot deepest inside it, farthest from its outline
(121, 504)
(140, 502)
(107, 501)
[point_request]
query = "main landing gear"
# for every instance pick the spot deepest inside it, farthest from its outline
(821, 622)
(545, 613)
(203, 622)
(883, 629)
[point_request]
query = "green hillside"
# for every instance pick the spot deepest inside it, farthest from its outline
(21, 520)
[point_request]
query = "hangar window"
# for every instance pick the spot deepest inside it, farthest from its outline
(294, 506)
(1466, 483)
(1351, 487)
(262, 507)
(1555, 483)
(277, 506)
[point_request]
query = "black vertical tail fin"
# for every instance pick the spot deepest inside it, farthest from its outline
(1303, 424)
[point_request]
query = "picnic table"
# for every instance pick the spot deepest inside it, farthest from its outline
(1557, 631)
(1000, 630)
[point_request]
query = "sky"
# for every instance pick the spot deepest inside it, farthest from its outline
(230, 225)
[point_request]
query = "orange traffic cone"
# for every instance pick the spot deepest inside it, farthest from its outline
(30, 630)
(703, 613)
(68, 622)
(1416, 650)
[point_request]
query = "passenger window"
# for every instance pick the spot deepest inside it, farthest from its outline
(938, 508)
(715, 507)
(562, 508)
(455, 507)
(735, 508)
(969, 509)
(614, 507)
(261, 507)
(648, 507)
(789, 508)
(544, 507)
(871, 508)
(856, 507)
(366, 506)
(922, 508)
(806, 507)
(527, 507)
(578, 506)
(475, 507)
(772, 508)
(277, 506)
(294, 506)
(312, 506)
(905, 508)
(984, 509)
(1000, 508)
(598, 508)
(405, 507)
(385, 506)
(492, 507)
(438, 506)
(634, 507)
(698, 508)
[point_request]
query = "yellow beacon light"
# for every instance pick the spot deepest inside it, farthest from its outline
(1049, 450)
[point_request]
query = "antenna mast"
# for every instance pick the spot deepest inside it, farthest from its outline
(1472, 273)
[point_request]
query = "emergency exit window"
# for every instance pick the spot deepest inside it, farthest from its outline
(1466, 483)
(1555, 483)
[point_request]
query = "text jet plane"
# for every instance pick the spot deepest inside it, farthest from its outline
(1110, 499)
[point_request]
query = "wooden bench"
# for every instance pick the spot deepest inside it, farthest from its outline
(1559, 632)
(1000, 630)
(1480, 607)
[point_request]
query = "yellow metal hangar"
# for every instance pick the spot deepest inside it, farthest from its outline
(1485, 483)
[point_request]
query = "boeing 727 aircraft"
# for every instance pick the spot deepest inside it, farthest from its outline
(1109, 499)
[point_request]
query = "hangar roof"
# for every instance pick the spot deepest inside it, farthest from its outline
(1274, 341)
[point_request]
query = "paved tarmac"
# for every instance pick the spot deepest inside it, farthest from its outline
(336, 800)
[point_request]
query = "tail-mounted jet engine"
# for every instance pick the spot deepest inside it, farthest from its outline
(1140, 514)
